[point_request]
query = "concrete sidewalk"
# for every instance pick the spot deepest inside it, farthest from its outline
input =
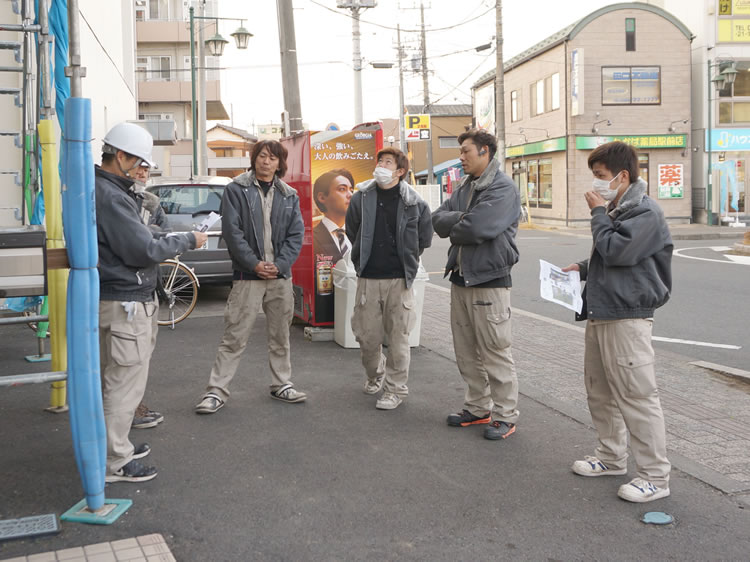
(679, 231)
(336, 479)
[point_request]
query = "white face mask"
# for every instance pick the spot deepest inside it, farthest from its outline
(383, 176)
(602, 187)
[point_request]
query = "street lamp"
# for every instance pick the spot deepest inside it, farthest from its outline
(215, 46)
(725, 77)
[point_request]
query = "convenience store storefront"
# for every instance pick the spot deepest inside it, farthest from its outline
(538, 169)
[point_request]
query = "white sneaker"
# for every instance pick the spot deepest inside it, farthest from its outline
(591, 466)
(639, 490)
(373, 387)
(388, 401)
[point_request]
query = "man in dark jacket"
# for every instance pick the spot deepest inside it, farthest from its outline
(481, 219)
(262, 226)
(332, 193)
(389, 226)
(627, 277)
(129, 254)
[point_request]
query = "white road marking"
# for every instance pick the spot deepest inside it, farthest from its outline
(581, 330)
(739, 259)
(720, 248)
(727, 261)
(700, 343)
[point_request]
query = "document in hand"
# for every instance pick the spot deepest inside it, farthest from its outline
(558, 286)
(208, 222)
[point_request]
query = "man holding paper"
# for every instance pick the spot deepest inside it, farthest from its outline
(627, 277)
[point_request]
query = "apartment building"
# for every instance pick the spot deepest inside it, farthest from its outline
(162, 67)
(620, 73)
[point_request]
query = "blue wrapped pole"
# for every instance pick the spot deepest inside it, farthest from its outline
(79, 225)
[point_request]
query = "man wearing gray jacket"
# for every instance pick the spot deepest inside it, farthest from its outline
(129, 254)
(481, 220)
(389, 226)
(628, 276)
(262, 226)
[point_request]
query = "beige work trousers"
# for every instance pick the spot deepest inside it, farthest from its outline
(623, 398)
(385, 307)
(125, 348)
(480, 323)
(245, 299)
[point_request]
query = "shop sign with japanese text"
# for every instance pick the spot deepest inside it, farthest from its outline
(671, 183)
(637, 141)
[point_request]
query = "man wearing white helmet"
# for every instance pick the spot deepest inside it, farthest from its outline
(129, 254)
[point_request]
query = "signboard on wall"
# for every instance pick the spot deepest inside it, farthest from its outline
(576, 82)
(670, 181)
(550, 145)
(733, 25)
(638, 141)
(730, 139)
(484, 107)
(417, 127)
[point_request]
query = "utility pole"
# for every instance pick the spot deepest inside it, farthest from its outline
(500, 87)
(401, 132)
(202, 142)
(356, 6)
(426, 94)
(289, 75)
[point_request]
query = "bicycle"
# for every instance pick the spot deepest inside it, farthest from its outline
(180, 286)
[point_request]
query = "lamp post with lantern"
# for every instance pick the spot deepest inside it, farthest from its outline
(725, 77)
(215, 46)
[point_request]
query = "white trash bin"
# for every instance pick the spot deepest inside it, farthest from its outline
(344, 294)
(420, 281)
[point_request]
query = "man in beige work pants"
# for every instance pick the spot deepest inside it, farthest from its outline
(262, 226)
(481, 220)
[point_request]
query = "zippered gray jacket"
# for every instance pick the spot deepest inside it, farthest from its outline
(242, 224)
(412, 222)
(629, 273)
(129, 251)
(481, 219)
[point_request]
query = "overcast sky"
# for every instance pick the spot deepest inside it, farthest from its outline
(251, 82)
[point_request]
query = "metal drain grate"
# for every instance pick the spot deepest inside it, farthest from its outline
(29, 527)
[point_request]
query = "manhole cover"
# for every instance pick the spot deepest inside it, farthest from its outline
(29, 527)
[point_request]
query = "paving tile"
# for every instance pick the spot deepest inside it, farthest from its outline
(69, 553)
(124, 544)
(97, 548)
(129, 553)
(102, 557)
(42, 557)
(153, 549)
(17, 559)
(155, 538)
(162, 558)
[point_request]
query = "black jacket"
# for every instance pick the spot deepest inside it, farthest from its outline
(324, 244)
(482, 230)
(242, 224)
(629, 273)
(129, 252)
(412, 222)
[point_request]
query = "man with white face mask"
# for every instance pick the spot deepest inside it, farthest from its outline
(627, 277)
(389, 226)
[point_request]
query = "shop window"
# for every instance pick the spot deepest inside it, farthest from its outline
(539, 183)
(643, 169)
(741, 112)
(631, 85)
(725, 112)
(734, 104)
(515, 106)
(630, 34)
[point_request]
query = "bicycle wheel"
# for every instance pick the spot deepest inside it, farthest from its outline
(181, 288)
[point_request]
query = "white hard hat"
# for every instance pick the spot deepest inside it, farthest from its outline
(131, 139)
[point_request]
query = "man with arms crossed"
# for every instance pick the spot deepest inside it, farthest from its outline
(481, 220)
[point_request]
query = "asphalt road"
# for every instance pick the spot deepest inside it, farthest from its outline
(709, 300)
(336, 479)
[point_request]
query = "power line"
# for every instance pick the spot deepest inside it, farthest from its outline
(404, 30)
(465, 79)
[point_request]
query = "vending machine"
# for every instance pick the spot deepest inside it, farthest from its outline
(325, 167)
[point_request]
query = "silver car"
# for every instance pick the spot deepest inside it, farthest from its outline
(186, 202)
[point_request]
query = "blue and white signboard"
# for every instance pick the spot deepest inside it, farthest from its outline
(723, 140)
